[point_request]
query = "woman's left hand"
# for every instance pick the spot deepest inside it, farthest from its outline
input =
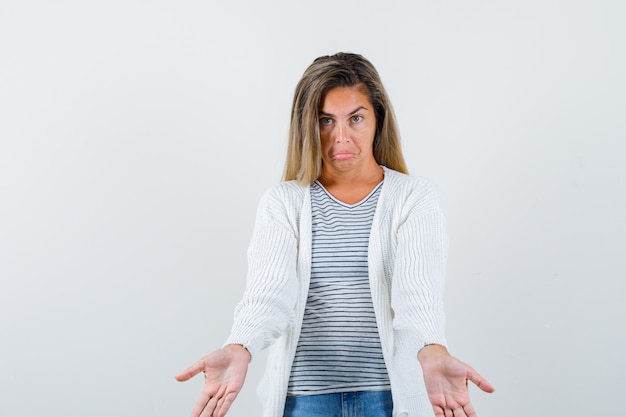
(446, 382)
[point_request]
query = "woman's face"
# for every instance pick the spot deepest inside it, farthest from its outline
(347, 128)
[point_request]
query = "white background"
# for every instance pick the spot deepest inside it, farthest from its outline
(136, 138)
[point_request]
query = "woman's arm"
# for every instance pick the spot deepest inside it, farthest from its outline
(418, 282)
(266, 310)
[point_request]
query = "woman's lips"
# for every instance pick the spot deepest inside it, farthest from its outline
(343, 155)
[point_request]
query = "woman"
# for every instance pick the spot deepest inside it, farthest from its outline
(346, 270)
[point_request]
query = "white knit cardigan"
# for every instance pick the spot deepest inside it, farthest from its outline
(406, 261)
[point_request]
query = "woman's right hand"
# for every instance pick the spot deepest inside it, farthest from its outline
(446, 380)
(224, 373)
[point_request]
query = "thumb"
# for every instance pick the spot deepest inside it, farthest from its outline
(479, 381)
(190, 372)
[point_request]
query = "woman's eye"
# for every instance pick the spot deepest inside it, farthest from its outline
(325, 121)
(356, 119)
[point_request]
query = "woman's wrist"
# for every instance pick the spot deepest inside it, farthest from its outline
(239, 348)
(432, 351)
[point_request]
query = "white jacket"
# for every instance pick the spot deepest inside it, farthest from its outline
(406, 261)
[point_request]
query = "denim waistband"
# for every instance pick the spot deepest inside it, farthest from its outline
(342, 404)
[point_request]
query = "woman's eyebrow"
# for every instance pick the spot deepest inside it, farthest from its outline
(323, 113)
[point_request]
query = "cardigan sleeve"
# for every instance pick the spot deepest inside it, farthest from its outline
(267, 307)
(419, 271)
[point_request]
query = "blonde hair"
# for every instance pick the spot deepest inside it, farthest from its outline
(304, 160)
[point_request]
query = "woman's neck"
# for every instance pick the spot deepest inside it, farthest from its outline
(352, 187)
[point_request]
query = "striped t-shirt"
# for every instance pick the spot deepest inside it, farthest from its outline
(339, 347)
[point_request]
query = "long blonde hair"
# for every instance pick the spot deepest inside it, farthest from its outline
(304, 160)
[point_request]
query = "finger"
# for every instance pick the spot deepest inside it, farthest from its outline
(219, 406)
(458, 412)
(212, 405)
(223, 405)
(209, 408)
(190, 372)
(480, 382)
(448, 412)
(200, 405)
(438, 411)
(469, 410)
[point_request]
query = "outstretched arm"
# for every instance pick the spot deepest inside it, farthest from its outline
(224, 374)
(446, 382)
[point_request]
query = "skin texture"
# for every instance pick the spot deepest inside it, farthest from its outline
(349, 172)
(347, 127)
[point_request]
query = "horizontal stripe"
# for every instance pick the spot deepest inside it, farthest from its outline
(339, 347)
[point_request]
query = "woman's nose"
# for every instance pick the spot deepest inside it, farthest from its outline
(342, 134)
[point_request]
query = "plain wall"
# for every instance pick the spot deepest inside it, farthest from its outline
(136, 138)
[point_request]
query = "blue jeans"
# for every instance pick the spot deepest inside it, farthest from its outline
(343, 404)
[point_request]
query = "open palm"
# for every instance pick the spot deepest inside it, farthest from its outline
(224, 374)
(446, 380)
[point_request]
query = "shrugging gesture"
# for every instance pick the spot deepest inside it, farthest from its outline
(343, 136)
